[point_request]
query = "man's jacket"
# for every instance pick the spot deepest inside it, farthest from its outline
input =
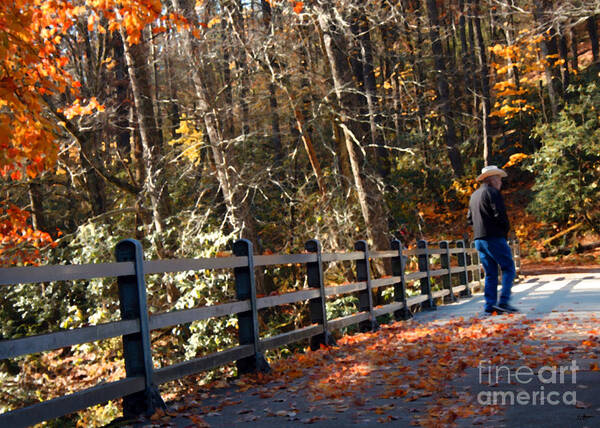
(487, 213)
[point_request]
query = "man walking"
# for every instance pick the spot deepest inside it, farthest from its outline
(487, 215)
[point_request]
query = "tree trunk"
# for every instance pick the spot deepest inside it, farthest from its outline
(390, 66)
(94, 184)
(308, 146)
(574, 51)
(227, 114)
(173, 107)
(564, 55)
(443, 90)
(122, 125)
(508, 34)
(370, 198)
(341, 151)
(472, 56)
(151, 139)
(466, 58)
(239, 213)
(485, 87)
(593, 32)
(244, 72)
(273, 104)
(417, 73)
(38, 220)
(155, 81)
(366, 77)
(548, 48)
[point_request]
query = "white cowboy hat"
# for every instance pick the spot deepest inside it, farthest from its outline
(490, 170)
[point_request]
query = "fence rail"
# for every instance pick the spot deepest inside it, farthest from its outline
(459, 264)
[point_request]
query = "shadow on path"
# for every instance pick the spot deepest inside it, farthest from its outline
(431, 371)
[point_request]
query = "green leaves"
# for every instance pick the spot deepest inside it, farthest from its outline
(568, 163)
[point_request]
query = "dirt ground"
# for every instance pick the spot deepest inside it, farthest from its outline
(570, 264)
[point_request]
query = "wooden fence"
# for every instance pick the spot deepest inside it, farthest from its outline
(139, 388)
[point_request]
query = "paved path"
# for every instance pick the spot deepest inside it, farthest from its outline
(537, 296)
(519, 358)
(547, 297)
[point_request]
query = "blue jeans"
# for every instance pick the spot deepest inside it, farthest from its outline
(494, 252)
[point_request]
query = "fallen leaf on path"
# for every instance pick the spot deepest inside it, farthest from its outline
(199, 422)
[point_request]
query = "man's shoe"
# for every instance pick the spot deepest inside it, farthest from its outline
(507, 308)
(494, 309)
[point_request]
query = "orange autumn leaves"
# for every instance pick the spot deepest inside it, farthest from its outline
(412, 361)
(33, 65)
(298, 6)
(30, 66)
(19, 243)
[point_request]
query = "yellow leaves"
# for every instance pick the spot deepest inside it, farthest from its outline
(214, 21)
(190, 141)
(505, 51)
(511, 92)
(497, 49)
(109, 62)
(523, 57)
(400, 75)
(113, 26)
(515, 159)
(508, 111)
(502, 69)
(298, 6)
(133, 26)
(463, 188)
(91, 22)
(76, 109)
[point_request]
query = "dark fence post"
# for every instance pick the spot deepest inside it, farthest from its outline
(425, 282)
(462, 262)
(245, 288)
(445, 262)
(469, 261)
(399, 269)
(365, 297)
(136, 346)
(317, 308)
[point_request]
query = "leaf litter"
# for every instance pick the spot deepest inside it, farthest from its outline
(409, 362)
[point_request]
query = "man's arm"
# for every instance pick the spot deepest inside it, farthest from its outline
(499, 211)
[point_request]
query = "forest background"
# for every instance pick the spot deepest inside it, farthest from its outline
(187, 125)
